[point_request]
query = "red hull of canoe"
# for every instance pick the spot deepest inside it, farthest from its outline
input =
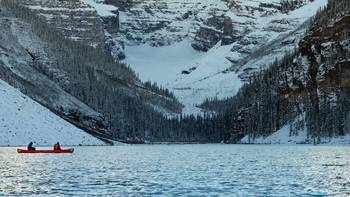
(46, 151)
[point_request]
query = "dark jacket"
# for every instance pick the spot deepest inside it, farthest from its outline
(30, 146)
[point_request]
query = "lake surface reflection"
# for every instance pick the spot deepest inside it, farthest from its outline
(179, 170)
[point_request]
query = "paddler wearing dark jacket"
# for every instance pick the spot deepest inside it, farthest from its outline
(57, 146)
(30, 146)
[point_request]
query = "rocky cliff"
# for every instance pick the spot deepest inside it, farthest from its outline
(306, 93)
(321, 71)
(76, 20)
(81, 21)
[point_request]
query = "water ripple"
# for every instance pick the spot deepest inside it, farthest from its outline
(179, 170)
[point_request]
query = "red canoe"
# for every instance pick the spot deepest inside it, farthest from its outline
(46, 151)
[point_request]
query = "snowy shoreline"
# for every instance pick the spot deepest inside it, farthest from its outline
(271, 144)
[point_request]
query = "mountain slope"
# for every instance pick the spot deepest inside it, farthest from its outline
(81, 83)
(201, 49)
(305, 94)
(23, 120)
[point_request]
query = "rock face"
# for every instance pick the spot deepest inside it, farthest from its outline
(122, 4)
(204, 24)
(111, 23)
(115, 47)
(308, 91)
(81, 21)
(206, 38)
(322, 65)
(164, 22)
(321, 71)
(109, 16)
(76, 20)
(160, 23)
(217, 28)
(227, 34)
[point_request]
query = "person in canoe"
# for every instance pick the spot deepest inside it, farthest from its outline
(57, 146)
(30, 146)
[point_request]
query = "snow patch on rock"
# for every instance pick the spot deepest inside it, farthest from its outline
(102, 9)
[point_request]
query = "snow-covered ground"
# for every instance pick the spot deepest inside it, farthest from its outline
(283, 136)
(23, 120)
(165, 64)
(161, 64)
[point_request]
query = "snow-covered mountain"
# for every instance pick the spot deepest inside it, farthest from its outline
(23, 120)
(75, 78)
(304, 97)
(201, 49)
(196, 49)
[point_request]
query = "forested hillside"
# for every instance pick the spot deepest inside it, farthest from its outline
(87, 87)
(78, 82)
(308, 90)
